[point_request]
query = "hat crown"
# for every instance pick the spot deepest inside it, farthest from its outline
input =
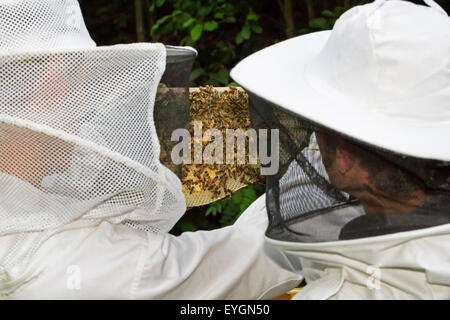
(30, 25)
(393, 55)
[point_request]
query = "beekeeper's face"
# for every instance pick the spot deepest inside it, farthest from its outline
(30, 155)
(381, 187)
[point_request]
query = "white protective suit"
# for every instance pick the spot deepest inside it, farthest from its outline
(85, 204)
(112, 261)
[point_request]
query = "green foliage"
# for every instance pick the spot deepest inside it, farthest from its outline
(218, 214)
(196, 32)
(251, 25)
(110, 21)
(199, 23)
(325, 22)
(210, 25)
(230, 209)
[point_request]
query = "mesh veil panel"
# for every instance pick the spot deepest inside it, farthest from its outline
(78, 126)
(30, 25)
(172, 105)
(304, 206)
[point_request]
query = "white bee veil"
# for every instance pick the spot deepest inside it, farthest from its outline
(78, 143)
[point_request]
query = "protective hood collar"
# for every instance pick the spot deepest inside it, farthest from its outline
(407, 265)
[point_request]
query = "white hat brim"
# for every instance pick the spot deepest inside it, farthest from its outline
(277, 74)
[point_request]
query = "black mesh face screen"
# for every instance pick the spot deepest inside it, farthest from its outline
(306, 203)
(172, 102)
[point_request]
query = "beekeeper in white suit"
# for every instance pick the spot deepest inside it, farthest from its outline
(85, 204)
(363, 111)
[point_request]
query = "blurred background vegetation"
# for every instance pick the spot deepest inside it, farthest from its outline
(224, 32)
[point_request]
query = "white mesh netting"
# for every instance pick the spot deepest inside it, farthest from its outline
(28, 25)
(77, 135)
(79, 125)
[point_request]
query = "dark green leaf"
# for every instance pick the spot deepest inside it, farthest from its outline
(246, 32)
(188, 226)
(159, 3)
(239, 38)
(252, 16)
(304, 31)
(159, 23)
(196, 32)
(152, 7)
(219, 15)
(257, 28)
(204, 11)
(196, 73)
(231, 20)
(329, 14)
(319, 24)
(221, 76)
(188, 22)
(176, 12)
(211, 210)
(230, 214)
(214, 208)
(210, 25)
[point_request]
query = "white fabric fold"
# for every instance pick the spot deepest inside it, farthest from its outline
(116, 262)
(406, 265)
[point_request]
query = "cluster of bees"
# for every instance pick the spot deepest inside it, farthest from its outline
(221, 109)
